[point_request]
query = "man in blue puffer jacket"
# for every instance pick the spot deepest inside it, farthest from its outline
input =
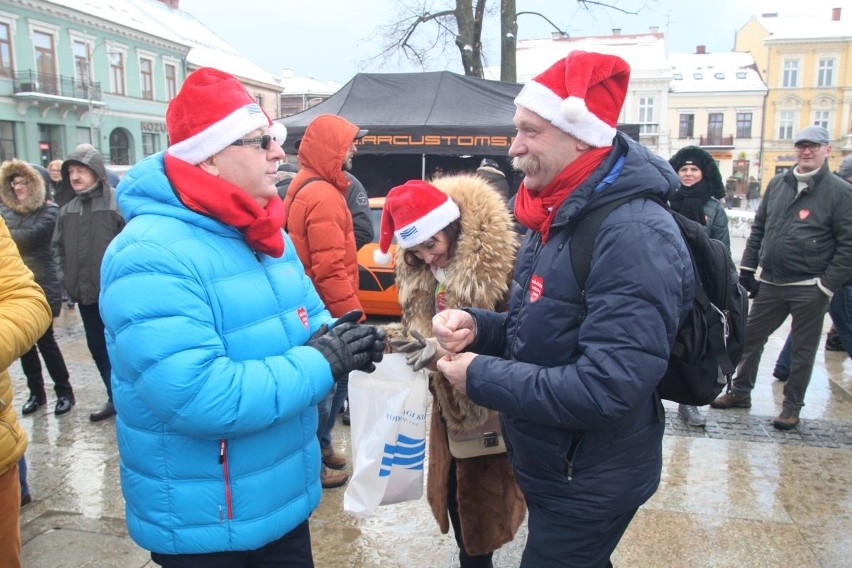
(220, 345)
(573, 378)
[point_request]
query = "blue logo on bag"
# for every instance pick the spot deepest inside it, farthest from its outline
(407, 453)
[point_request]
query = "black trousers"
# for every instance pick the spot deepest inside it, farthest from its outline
(293, 550)
(55, 363)
(96, 340)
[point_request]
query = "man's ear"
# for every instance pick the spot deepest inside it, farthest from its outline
(582, 146)
(209, 166)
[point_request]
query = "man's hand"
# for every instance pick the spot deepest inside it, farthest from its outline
(419, 351)
(350, 346)
(749, 282)
(454, 369)
(454, 329)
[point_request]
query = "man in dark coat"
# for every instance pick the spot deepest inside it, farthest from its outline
(574, 373)
(87, 224)
(802, 240)
(490, 171)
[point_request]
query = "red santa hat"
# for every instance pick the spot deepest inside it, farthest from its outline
(581, 95)
(211, 111)
(414, 212)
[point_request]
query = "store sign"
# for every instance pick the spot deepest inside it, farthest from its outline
(153, 127)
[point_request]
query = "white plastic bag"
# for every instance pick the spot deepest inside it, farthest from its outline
(388, 429)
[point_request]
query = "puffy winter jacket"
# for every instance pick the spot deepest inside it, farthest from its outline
(215, 391)
(576, 390)
(24, 317)
(31, 222)
(318, 219)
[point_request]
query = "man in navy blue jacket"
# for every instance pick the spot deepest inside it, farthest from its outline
(573, 378)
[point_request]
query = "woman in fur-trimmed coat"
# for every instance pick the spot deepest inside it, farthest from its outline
(452, 253)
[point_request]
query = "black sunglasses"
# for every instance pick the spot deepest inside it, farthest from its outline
(262, 140)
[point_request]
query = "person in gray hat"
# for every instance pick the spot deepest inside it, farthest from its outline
(802, 240)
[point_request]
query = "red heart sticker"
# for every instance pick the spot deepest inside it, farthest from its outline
(303, 315)
(803, 214)
(536, 288)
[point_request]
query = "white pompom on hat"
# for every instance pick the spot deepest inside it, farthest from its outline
(581, 94)
(414, 212)
(211, 111)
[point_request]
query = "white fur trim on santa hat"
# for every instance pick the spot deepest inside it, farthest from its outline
(220, 135)
(428, 225)
(380, 257)
(569, 115)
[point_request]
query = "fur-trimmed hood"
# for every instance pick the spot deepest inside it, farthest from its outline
(35, 200)
(478, 275)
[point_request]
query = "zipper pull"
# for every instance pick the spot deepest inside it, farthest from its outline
(221, 451)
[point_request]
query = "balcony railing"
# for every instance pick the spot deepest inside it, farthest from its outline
(56, 85)
(717, 140)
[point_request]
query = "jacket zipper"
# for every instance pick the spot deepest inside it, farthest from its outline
(572, 454)
(223, 459)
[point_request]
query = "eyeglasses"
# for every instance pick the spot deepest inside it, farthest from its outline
(262, 140)
(19, 183)
(812, 146)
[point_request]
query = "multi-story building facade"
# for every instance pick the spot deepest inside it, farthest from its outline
(716, 102)
(302, 93)
(103, 72)
(806, 63)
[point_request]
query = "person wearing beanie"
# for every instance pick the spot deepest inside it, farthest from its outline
(490, 171)
(801, 239)
(31, 220)
(221, 346)
(574, 372)
(456, 248)
(320, 223)
(697, 199)
(86, 226)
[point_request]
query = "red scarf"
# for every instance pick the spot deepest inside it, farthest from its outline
(214, 197)
(537, 209)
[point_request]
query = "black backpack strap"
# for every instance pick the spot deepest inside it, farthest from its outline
(295, 193)
(585, 231)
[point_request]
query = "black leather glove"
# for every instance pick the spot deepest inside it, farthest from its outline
(346, 347)
(352, 316)
(378, 350)
(749, 282)
(419, 352)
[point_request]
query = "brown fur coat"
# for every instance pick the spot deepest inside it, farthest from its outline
(491, 506)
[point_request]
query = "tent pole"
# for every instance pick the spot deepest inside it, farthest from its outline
(423, 167)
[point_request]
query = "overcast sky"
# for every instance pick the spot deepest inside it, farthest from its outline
(332, 40)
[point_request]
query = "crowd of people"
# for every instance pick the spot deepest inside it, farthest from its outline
(225, 419)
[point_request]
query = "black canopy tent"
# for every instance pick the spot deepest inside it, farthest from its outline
(452, 119)
(420, 113)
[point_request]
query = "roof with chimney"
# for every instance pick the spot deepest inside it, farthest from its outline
(831, 25)
(710, 72)
(159, 19)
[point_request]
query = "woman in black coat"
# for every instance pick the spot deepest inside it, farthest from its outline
(31, 220)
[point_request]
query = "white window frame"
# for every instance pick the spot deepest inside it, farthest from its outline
(822, 118)
(89, 41)
(51, 30)
(831, 71)
(788, 70)
(152, 58)
(170, 62)
(112, 47)
(787, 120)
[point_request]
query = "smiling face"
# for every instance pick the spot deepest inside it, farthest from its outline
(689, 174)
(434, 251)
(21, 186)
(811, 156)
(250, 167)
(540, 150)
